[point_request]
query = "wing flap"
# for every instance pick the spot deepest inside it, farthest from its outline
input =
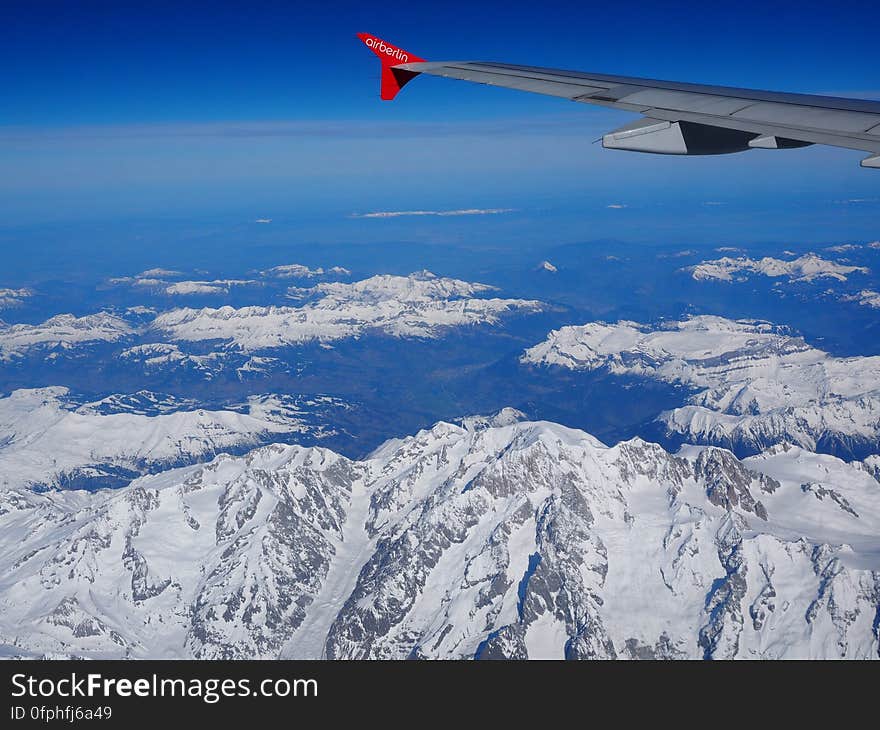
(833, 120)
(705, 103)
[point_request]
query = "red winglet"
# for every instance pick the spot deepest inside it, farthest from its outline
(393, 79)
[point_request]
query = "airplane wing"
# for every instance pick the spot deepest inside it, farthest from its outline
(677, 118)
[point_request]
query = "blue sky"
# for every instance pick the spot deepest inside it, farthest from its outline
(232, 111)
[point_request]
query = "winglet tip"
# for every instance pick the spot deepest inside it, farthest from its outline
(393, 80)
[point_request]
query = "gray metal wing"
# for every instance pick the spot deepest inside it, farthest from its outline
(683, 118)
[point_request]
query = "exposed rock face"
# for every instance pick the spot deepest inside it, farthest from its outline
(491, 539)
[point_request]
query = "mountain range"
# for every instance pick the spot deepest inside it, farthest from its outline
(489, 538)
(752, 384)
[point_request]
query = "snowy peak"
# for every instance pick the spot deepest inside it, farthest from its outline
(728, 482)
(504, 417)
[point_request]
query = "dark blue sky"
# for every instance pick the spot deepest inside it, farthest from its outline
(270, 109)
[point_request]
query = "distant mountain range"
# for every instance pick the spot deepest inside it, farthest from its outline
(60, 333)
(420, 305)
(808, 267)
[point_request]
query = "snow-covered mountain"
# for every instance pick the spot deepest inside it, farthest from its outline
(419, 305)
(165, 357)
(48, 441)
(61, 332)
(202, 288)
(491, 538)
(13, 297)
(159, 272)
(159, 284)
(866, 297)
(141, 402)
(808, 267)
(298, 271)
(755, 384)
(168, 359)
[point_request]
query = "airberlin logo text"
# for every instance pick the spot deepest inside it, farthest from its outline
(382, 47)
